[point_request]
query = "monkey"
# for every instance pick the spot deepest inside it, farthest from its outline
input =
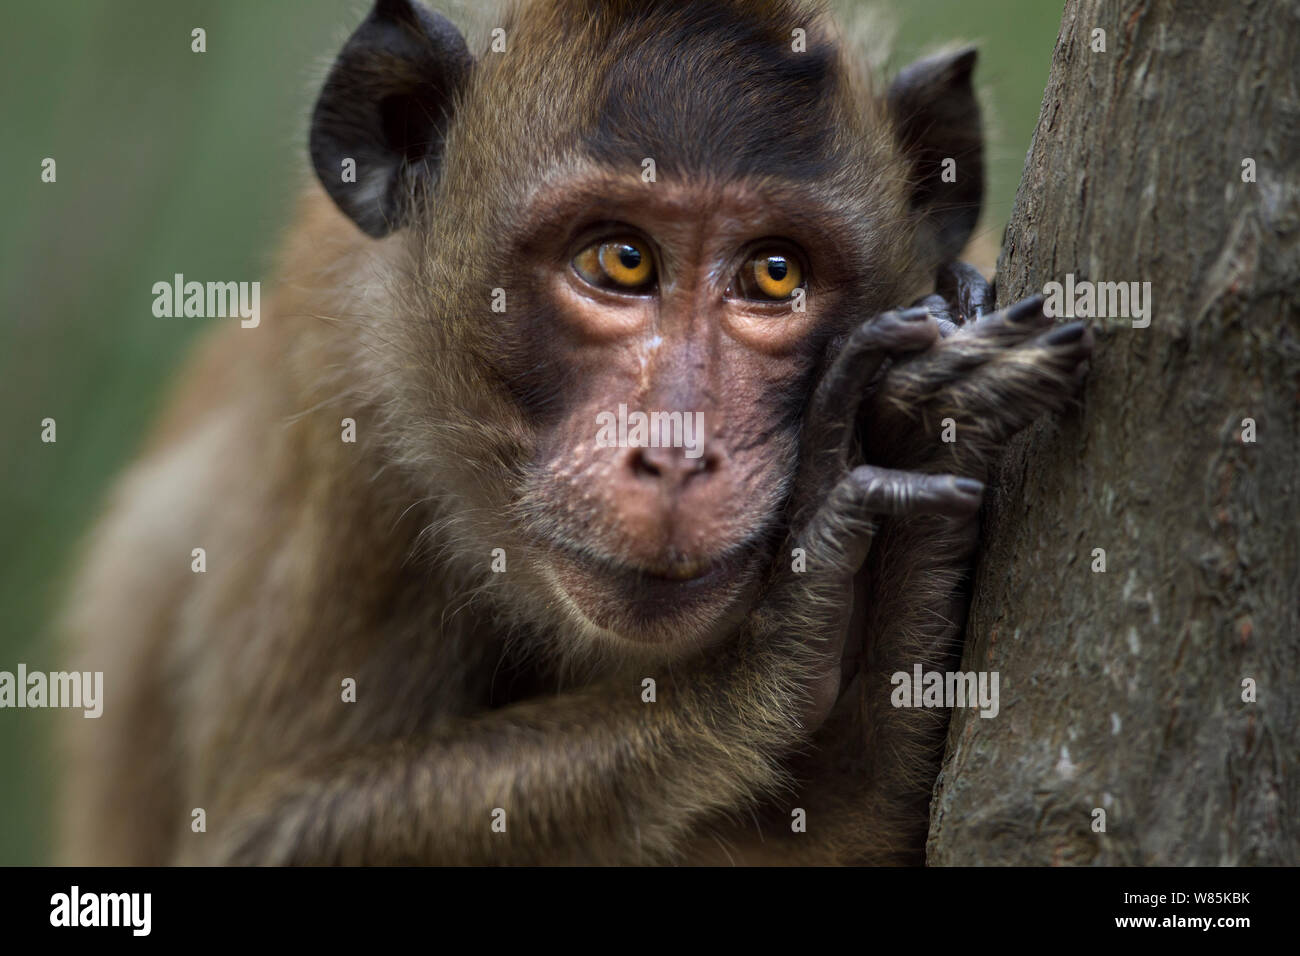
(474, 634)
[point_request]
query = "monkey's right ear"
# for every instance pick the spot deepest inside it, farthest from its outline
(385, 106)
(938, 120)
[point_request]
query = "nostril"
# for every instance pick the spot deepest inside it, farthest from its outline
(671, 464)
(642, 466)
(706, 463)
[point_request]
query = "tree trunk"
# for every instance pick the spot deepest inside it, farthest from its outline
(1128, 690)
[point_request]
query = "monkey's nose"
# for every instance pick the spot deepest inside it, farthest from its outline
(671, 467)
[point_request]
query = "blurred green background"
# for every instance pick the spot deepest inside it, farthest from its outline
(171, 161)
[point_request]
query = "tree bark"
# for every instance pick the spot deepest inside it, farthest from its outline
(1123, 690)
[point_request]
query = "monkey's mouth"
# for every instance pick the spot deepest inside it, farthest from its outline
(673, 575)
(655, 602)
(681, 569)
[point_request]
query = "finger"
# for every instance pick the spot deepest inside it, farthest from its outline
(1022, 317)
(1071, 341)
(839, 394)
(885, 491)
(839, 534)
(966, 290)
(938, 308)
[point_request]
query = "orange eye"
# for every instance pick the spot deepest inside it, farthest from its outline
(623, 264)
(770, 276)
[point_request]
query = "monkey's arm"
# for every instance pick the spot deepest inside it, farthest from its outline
(594, 776)
(991, 376)
(597, 775)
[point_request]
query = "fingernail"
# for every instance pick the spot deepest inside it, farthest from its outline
(969, 486)
(1066, 334)
(914, 315)
(1025, 308)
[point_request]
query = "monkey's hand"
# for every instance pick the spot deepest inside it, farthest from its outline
(989, 376)
(835, 513)
(953, 406)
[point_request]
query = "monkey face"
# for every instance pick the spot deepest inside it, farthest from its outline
(628, 237)
(683, 323)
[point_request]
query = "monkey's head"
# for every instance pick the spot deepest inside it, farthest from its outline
(616, 245)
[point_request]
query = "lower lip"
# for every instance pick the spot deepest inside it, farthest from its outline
(652, 585)
(642, 593)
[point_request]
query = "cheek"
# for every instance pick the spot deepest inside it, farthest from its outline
(763, 396)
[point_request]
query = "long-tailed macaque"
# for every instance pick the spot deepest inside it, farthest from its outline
(458, 602)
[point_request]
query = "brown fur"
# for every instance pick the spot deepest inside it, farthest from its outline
(370, 560)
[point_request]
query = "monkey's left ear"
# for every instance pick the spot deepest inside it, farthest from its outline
(385, 106)
(937, 119)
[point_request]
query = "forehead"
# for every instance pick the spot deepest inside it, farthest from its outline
(733, 210)
(702, 86)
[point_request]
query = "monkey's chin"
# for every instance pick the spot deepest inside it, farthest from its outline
(663, 612)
